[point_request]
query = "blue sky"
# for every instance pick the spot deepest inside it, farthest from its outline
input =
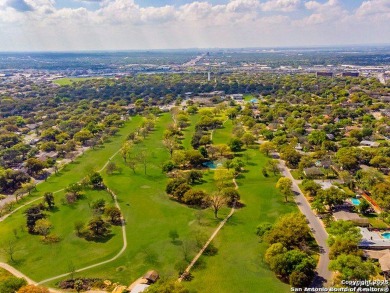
(160, 24)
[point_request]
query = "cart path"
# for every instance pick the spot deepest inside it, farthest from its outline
(195, 259)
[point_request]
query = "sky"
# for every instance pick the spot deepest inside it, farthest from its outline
(68, 25)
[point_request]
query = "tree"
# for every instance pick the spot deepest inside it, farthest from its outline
(33, 289)
(248, 139)
(217, 201)
(114, 214)
(310, 187)
(267, 147)
(125, 150)
(290, 230)
(194, 197)
(34, 166)
(194, 176)
(42, 227)
(173, 235)
(143, 159)
(167, 286)
(231, 194)
(273, 166)
(98, 228)
(236, 144)
(364, 207)
(99, 206)
(12, 284)
(48, 198)
(33, 214)
(181, 190)
(284, 185)
(111, 168)
(78, 285)
(222, 177)
(9, 249)
(351, 267)
(347, 158)
(194, 157)
(96, 180)
(316, 137)
(331, 196)
(170, 144)
(291, 156)
(79, 226)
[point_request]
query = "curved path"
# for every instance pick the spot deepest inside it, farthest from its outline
(19, 274)
(124, 237)
(195, 259)
(324, 275)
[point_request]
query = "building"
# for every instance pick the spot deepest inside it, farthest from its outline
(368, 143)
(313, 172)
(237, 97)
(353, 217)
(350, 74)
(324, 73)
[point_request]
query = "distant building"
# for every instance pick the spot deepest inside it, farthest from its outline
(324, 73)
(368, 143)
(237, 97)
(350, 74)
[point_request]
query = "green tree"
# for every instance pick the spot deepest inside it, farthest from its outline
(48, 198)
(284, 185)
(267, 147)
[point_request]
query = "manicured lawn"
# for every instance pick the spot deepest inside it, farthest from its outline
(69, 250)
(223, 135)
(189, 131)
(239, 264)
(71, 80)
(150, 214)
(40, 261)
(93, 159)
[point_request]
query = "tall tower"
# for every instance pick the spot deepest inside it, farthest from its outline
(208, 76)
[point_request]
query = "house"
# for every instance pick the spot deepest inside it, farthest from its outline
(324, 73)
(353, 217)
(313, 172)
(383, 257)
(368, 143)
(237, 97)
(330, 136)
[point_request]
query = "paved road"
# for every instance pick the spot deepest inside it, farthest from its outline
(324, 275)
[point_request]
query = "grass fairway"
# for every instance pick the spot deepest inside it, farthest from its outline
(38, 253)
(239, 264)
(223, 135)
(150, 215)
(93, 159)
(71, 80)
(189, 131)
(40, 261)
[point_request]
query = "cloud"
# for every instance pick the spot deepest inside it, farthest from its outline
(281, 5)
(374, 8)
(18, 5)
(123, 24)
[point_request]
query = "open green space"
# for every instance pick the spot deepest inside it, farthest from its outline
(189, 131)
(71, 80)
(39, 261)
(224, 134)
(93, 159)
(150, 214)
(239, 264)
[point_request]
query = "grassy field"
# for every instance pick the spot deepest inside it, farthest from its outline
(189, 131)
(71, 80)
(150, 214)
(223, 135)
(37, 264)
(35, 259)
(239, 264)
